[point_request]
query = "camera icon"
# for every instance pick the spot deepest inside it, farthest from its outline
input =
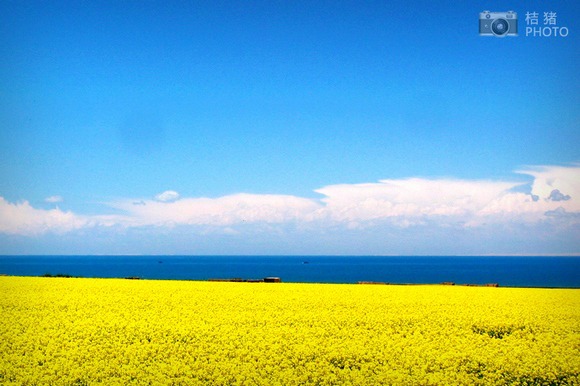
(498, 24)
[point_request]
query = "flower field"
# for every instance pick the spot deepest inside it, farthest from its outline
(64, 331)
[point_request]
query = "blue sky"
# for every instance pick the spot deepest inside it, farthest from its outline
(270, 126)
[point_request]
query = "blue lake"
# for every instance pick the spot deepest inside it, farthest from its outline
(538, 271)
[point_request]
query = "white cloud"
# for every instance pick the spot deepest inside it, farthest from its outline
(401, 203)
(388, 204)
(410, 199)
(22, 219)
(53, 199)
(167, 196)
(565, 179)
(221, 211)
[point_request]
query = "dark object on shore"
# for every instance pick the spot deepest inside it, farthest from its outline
(443, 283)
(133, 278)
(57, 275)
(239, 280)
(235, 280)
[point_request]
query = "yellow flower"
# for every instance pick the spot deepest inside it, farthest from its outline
(121, 332)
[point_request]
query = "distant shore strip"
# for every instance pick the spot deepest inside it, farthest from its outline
(276, 279)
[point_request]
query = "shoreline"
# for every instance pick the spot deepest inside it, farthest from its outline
(254, 281)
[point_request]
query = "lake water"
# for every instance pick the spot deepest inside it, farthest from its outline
(506, 271)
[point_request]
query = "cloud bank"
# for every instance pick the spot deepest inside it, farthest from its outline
(551, 199)
(222, 211)
(22, 219)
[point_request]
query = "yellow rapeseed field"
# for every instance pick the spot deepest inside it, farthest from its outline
(63, 331)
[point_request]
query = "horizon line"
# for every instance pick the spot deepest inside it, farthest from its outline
(576, 254)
